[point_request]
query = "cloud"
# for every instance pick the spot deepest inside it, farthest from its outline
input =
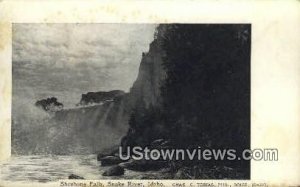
(77, 58)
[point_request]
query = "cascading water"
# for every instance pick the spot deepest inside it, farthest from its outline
(83, 130)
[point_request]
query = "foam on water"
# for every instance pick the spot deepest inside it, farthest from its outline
(49, 168)
(42, 169)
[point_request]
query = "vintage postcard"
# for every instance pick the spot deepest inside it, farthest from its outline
(149, 93)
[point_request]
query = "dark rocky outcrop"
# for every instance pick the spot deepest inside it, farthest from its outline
(100, 97)
(144, 165)
(72, 176)
(110, 160)
(160, 144)
(181, 174)
(193, 88)
(114, 151)
(114, 171)
(49, 104)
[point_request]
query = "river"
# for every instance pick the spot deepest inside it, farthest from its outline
(43, 169)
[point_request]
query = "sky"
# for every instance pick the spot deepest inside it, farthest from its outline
(67, 60)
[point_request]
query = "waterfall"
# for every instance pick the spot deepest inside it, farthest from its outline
(80, 130)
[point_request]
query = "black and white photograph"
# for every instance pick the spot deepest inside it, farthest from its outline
(129, 101)
(149, 93)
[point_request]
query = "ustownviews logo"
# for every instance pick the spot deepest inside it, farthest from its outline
(139, 153)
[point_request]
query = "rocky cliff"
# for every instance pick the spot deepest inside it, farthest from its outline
(100, 97)
(193, 90)
(144, 98)
(146, 88)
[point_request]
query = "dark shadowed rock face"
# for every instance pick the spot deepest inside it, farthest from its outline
(114, 171)
(110, 160)
(49, 104)
(72, 176)
(100, 97)
(108, 152)
(144, 165)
